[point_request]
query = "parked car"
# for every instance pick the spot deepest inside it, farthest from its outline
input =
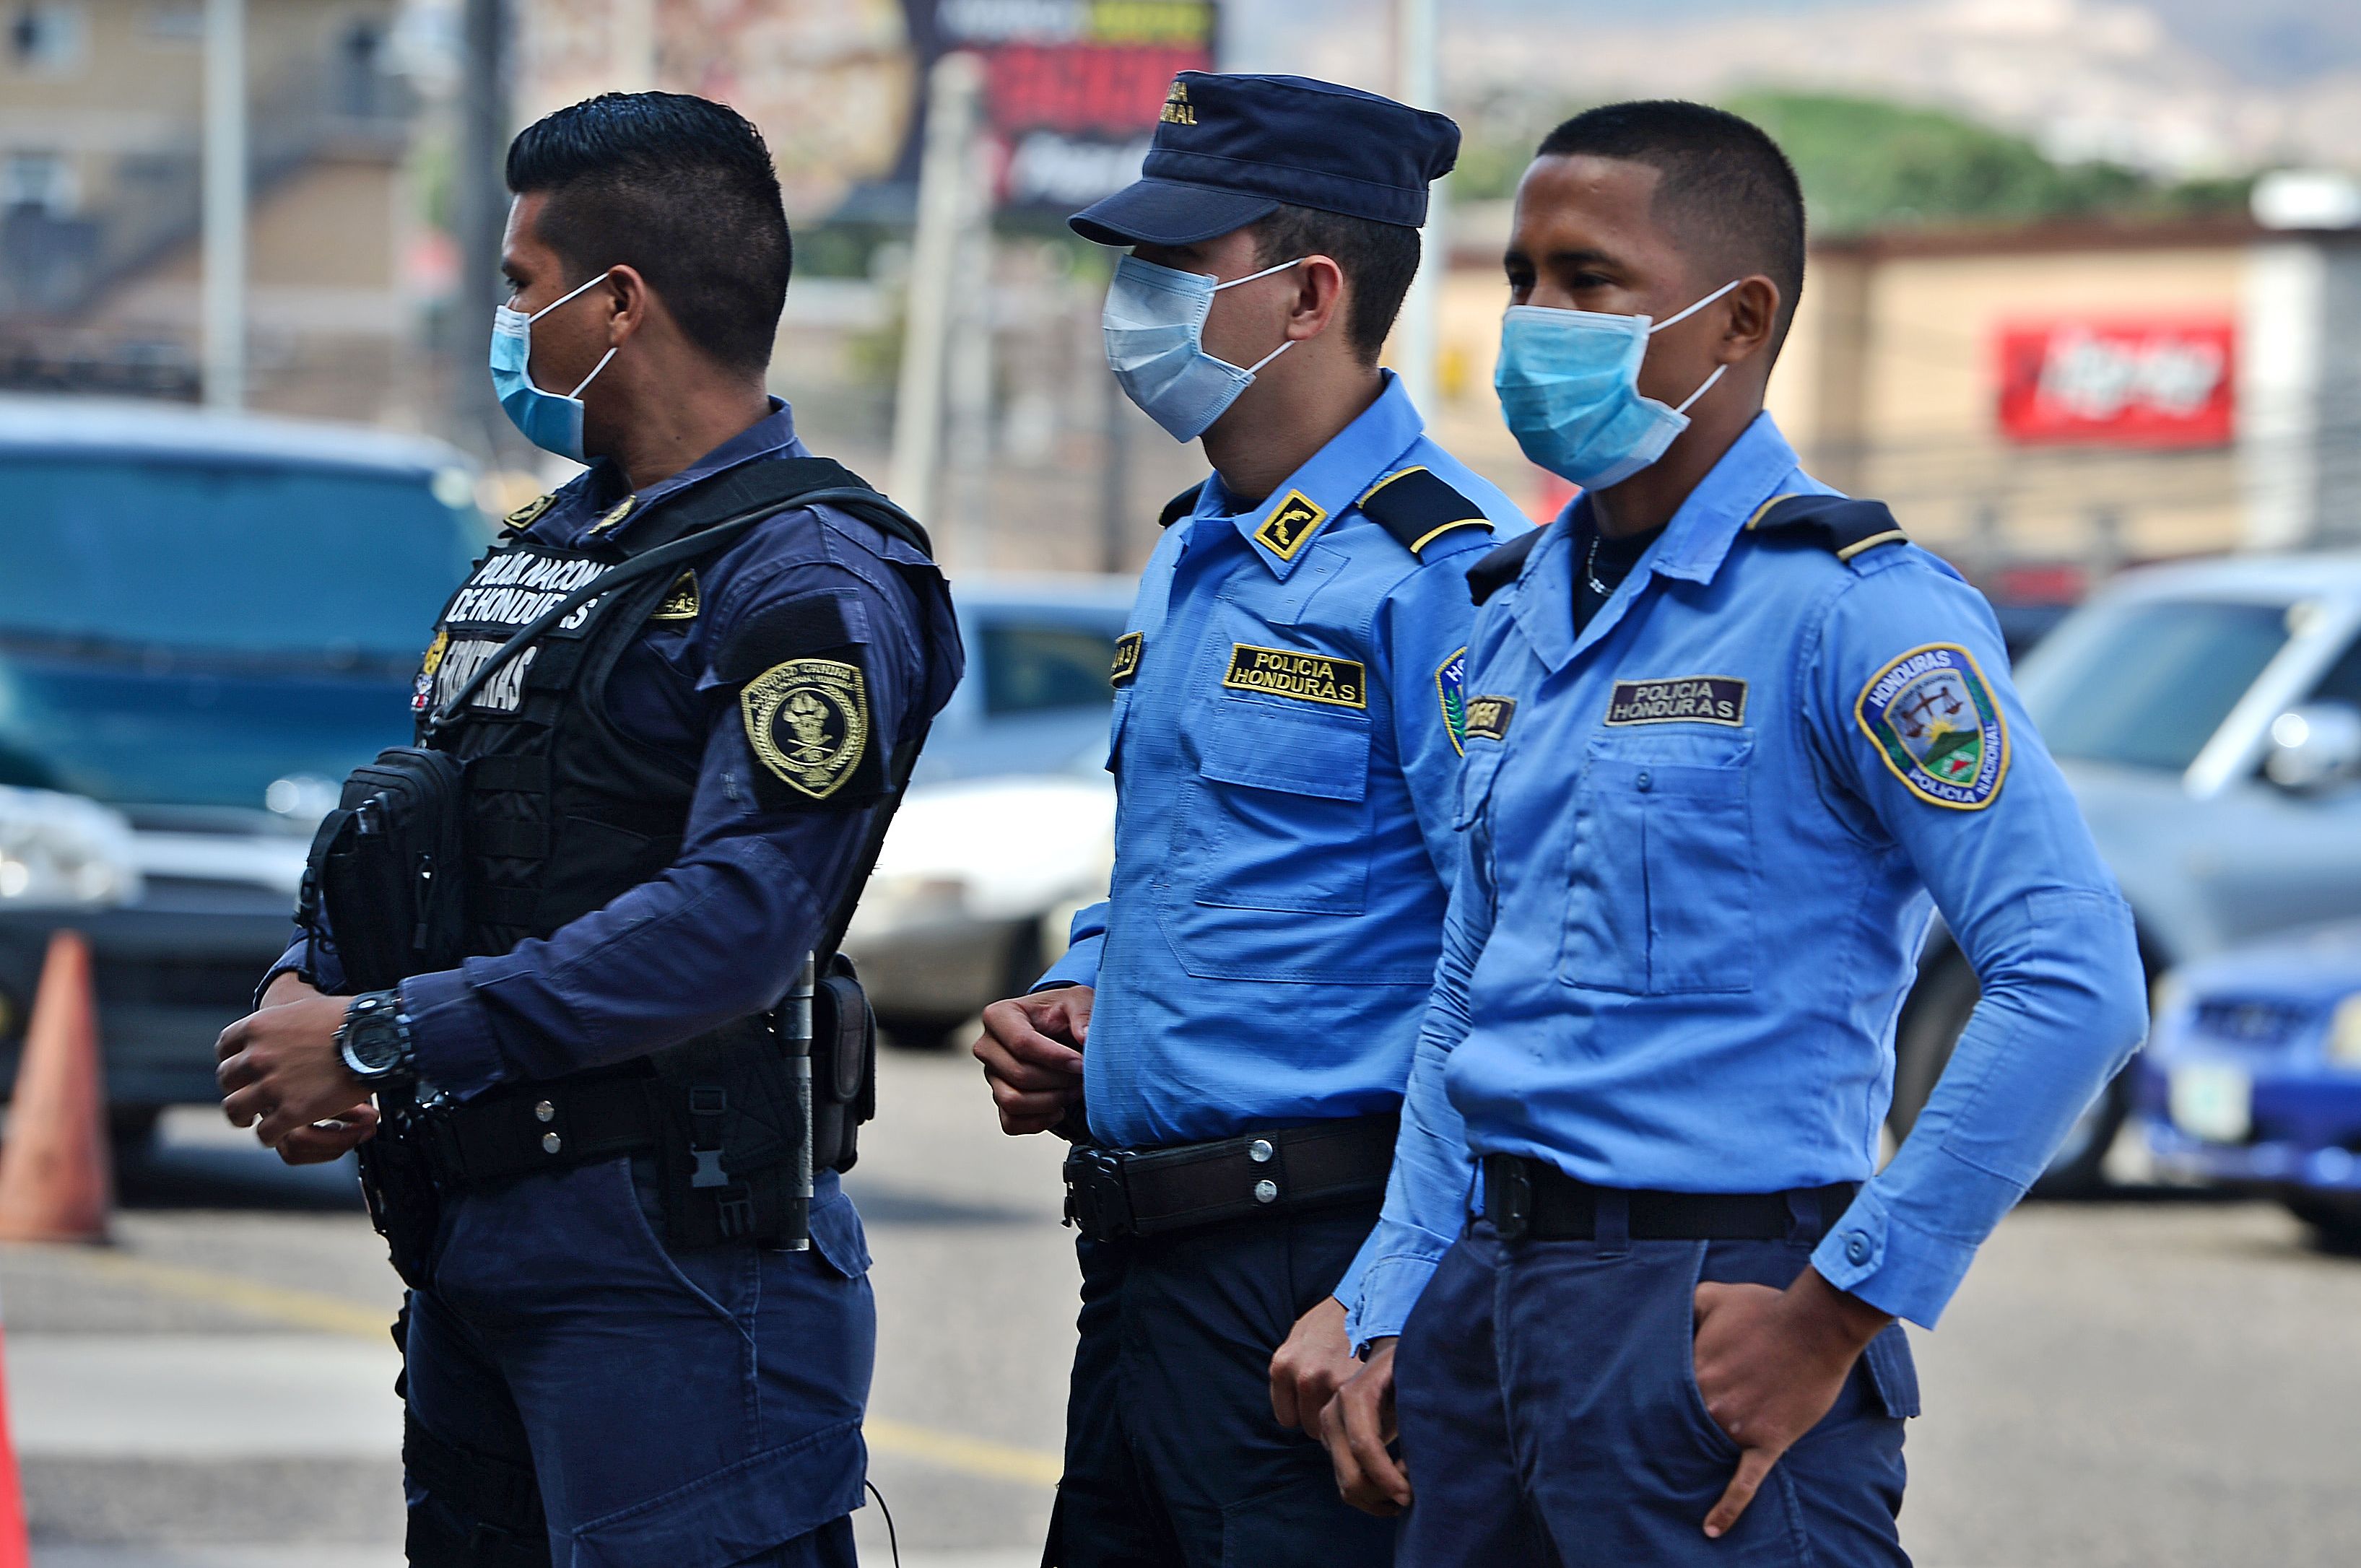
(2252, 1075)
(2208, 717)
(205, 621)
(1009, 825)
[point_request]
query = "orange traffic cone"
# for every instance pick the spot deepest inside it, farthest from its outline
(16, 1549)
(57, 1182)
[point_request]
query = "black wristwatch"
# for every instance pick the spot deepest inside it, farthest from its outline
(373, 1038)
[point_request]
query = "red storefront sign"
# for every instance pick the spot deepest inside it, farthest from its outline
(2119, 382)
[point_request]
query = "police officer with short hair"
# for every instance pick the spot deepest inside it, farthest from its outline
(1288, 724)
(1727, 734)
(679, 700)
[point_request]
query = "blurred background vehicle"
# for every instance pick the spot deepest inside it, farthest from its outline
(1009, 826)
(2252, 1076)
(2208, 716)
(205, 621)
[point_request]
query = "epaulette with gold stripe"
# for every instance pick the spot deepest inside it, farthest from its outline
(1838, 524)
(1418, 508)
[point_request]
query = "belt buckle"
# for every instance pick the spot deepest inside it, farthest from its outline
(1096, 1199)
(1508, 1197)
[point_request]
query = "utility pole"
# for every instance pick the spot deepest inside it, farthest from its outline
(225, 204)
(480, 213)
(949, 202)
(1415, 82)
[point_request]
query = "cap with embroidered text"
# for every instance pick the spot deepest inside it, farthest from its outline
(1229, 149)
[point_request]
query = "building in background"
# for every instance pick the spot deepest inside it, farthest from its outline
(99, 200)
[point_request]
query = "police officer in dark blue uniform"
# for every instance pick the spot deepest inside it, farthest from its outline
(616, 1352)
(1288, 724)
(1732, 739)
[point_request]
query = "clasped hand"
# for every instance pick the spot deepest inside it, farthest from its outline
(281, 1074)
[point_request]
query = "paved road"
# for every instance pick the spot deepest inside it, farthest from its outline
(2157, 1382)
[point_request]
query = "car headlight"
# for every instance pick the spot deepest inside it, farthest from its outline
(60, 851)
(2344, 1033)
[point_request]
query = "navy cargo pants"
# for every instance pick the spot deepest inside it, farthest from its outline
(1550, 1417)
(1173, 1459)
(693, 1409)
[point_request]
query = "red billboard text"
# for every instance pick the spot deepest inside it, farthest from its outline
(2119, 382)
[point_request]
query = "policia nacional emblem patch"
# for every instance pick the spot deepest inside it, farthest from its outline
(1933, 718)
(1450, 685)
(807, 719)
(1306, 677)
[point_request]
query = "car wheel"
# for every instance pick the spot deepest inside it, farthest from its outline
(1938, 1009)
(2336, 1226)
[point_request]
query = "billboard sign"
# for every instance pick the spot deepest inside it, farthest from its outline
(1072, 87)
(2119, 381)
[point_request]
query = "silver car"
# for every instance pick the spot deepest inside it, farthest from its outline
(2208, 717)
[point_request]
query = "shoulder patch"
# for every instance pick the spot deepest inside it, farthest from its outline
(615, 514)
(1291, 523)
(1487, 717)
(680, 601)
(1451, 685)
(522, 517)
(1180, 505)
(1418, 508)
(1936, 726)
(808, 722)
(1838, 524)
(1499, 568)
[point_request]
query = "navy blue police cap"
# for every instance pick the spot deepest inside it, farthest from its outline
(1229, 149)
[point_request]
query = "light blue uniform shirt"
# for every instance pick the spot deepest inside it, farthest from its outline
(1702, 838)
(1285, 758)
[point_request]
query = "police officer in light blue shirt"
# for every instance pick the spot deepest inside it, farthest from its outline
(1288, 730)
(1726, 734)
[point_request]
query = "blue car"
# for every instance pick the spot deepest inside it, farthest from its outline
(2252, 1075)
(205, 622)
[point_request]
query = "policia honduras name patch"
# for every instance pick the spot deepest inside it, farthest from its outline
(1306, 677)
(1934, 721)
(1682, 700)
(807, 719)
(1487, 717)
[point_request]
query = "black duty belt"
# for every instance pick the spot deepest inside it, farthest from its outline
(1525, 1198)
(525, 1128)
(1145, 1192)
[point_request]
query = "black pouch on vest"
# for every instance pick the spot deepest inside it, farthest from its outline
(385, 871)
(730, 1139)
(843, 1066)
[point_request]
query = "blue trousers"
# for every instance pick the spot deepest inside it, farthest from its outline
(1173, 1459)
(1550, 1416)
(694, 1409)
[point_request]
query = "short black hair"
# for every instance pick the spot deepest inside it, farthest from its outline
(1725, 188)
(1377, 259)
(680, 189)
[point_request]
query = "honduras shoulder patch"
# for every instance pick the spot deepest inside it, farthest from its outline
(807, 719)
(1932, 716)
(1451, 685)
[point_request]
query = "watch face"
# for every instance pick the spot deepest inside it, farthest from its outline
(373, 1040)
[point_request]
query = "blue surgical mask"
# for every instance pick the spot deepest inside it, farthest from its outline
(1569, 386)
(550, 421)
(1155, 324)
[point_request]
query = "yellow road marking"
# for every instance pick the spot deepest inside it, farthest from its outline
(324, 1313)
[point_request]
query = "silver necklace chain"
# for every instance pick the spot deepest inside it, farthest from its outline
(1590, 571)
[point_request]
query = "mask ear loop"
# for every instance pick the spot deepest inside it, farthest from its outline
(611, 354)
(1283, 266)
(552, 304)
(1683, 316)
(1701, 391)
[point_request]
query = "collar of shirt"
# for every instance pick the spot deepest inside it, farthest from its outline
(1691, 548)
(607, 506)
(1314, 496)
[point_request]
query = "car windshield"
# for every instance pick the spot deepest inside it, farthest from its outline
(2145, 684)
(1030, 667)
(264, 560)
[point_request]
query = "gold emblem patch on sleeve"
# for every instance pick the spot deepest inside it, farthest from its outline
(807, 719)
(1307, 677)
(680, 601)
(1291, 522)
(1126, 659)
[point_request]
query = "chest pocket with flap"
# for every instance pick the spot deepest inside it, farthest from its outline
(1279, 816)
